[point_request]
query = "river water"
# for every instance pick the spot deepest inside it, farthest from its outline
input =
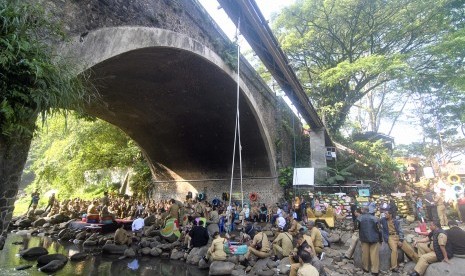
(96, 264)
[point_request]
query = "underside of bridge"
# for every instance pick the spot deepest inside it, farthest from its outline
(180, 109)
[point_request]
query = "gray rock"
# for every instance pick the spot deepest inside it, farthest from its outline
(52, 266)
(154, 244)
(81, 236)
(334, 238)
(266, 273)
(45, 259)
(203, 264)
(384, 257)
(146, 250)
(39, 222)
(33, 252)
(212, 228)
(238, 272)
(233, 259)
(90, 243)
(144, 243)
(129, 253)
(64, 234)
(23, 223)
(284, 269)
(156, 252)
(23, 267)
(455, 268)
(221, 268)
(114, 249)
(176, 255)
(78, 257)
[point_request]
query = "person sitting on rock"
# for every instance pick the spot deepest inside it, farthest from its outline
(295, 227)
(199, 235)
(214, 216)
(105, 216)
(216, 251)
(456, 237)
(303, 244)
(306, 268)
(282, 245)
(122, 236)
(281, 221)
(173, 211)
(317, 238)
(260, 246)
(440, 250)
(392, 235)
(138, 225)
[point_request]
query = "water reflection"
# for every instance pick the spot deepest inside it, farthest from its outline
(96, 264)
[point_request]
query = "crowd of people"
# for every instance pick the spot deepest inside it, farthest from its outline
(294, 234)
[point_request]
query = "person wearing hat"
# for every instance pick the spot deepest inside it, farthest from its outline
(440, 250)
(282, 244)
(215, 251)
(316, 237)
(260, 245)
(441, 207)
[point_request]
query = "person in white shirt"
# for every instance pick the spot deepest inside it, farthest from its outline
(281, 221)
(138, 224)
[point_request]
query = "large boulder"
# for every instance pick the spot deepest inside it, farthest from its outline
(39, 222)
(90, 243)
(284, 266)
(455, 268)
(33, 252)
(156, 252)
(145, 251)
(78, 257)
(129, 253)
(23, 223)
(212, 228)
(64, 234)
(114, 249)
(195, 254)
(221, 268)
(45, 259)
(52, 266)
(176, 255)
(81, 236)
(384, 257)
(58, 218)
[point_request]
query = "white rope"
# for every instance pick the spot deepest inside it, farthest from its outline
(237, 135)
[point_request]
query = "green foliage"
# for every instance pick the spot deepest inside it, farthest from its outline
(344, 49)
(286, 176)
(67, 147)
(32, 79)
(337, 175)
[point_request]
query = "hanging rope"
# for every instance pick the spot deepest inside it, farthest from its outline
(237, 129)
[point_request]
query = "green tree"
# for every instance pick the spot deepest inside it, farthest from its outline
(343, 50)
(32, 82)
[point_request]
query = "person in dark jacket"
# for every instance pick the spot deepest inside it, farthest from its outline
(456, 237)
(370, 237)
(440, 250)
(431, 210)
(199, 235)
(392, 235)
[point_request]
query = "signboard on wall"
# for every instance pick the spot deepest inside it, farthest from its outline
(304, 176)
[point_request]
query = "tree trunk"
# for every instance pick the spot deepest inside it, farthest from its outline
(13, 154)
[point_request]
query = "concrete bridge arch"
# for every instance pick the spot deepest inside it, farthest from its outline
(176, 98)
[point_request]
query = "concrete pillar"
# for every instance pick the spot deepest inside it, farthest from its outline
(318, 151)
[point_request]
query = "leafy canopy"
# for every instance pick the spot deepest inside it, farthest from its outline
(32, 79)
(343, 49)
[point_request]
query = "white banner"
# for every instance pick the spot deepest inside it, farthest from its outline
(304, 176)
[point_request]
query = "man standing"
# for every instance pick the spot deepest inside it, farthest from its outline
(51, 201)
(441, 207)
(431, 210)
(369, 237)
(392, 235)
(353, 210)
(438, 251)
(371, 206)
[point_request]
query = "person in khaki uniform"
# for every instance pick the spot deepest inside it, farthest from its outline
(317, 238)
(441, 207)
(173, 211)
(392, 235)
(370, 237)
(295, 227)
(302, 245)
(306, 269)
(260, 238)
(282, 245)
(216, 251)
(122, 236)
(438, 249)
